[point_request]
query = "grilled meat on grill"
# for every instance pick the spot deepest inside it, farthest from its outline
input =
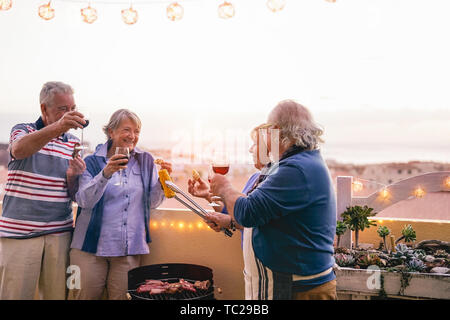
(202, 285)
(159, 287)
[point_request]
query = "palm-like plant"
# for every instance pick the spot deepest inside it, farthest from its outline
(356, 218)
(383, 232)
(408, 234)
(341, 227)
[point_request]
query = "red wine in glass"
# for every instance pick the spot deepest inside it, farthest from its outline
(221, 169)
(125, 153)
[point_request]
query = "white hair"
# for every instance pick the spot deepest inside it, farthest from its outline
(51, 88)
(296, 125)
(116, 119)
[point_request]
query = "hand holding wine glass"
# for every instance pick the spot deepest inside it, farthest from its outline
(79, 147)
(220, 165)
(124, 154)
(115, 163)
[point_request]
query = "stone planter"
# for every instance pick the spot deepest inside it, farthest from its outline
(362, 284)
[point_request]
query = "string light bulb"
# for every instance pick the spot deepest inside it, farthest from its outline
(129, 16)
(419, 192)
(175, 11)
(384, 193)
(447, 182)
(226, 10)
(276, 5)
(357, 186)
(89, 14)
(46, 12)
(5, 5)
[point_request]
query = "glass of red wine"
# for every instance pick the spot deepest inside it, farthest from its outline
(126, 155)
(220, 165)
(79, 147)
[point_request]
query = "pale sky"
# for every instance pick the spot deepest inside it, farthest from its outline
(374, 73)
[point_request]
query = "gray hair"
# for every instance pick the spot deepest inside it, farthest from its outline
(51, 88)
(116, 119)
(296, 125)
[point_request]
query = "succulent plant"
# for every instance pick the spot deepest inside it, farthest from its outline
(341, 227)
(403, 252)
(344, 260)
(420, 254)
(343, 250)
(383, 232)
(369, 260)
(408, 234)
(415, 265)
(440, 254)
(356, 218)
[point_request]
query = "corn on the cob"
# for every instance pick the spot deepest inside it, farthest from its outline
(163, 177)
(195, 174)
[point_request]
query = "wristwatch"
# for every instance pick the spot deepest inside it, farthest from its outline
(232, 225)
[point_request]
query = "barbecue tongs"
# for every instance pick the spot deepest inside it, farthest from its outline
(171, 190)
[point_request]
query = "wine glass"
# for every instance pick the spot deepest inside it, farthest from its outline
(79, 147)
(220, 165)
(126, 155)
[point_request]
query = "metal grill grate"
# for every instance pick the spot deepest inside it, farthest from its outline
(184, 295)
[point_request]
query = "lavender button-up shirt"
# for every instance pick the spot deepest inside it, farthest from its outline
(123, 222)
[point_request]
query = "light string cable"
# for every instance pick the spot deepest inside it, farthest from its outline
(371, 181)
(121, 2)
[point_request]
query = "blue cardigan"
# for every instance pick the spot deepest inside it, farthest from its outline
(293, 213)
(95, 164)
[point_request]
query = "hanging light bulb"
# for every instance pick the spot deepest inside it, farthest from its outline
(419, 192)
(276, 5)
(46, 12)
(5, 5)
(89, 14)
(129, 16)
(175, 11)
(357, 186)
(226, 10)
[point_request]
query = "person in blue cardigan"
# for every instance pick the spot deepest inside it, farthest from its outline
(292, 211)
(112, 225)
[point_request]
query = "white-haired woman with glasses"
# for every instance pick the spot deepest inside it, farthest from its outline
(115, 196)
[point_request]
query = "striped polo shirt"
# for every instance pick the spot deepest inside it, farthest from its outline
(36, 200)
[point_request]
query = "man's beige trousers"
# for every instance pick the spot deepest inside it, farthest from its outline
(25, 262)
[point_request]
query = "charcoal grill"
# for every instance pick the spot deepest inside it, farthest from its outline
(170, 272)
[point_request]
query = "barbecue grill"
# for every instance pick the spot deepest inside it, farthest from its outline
(170, 272)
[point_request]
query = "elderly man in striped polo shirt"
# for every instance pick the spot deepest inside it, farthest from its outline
(36, 222)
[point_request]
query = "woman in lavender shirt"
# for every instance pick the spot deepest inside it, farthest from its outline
(112, 225)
